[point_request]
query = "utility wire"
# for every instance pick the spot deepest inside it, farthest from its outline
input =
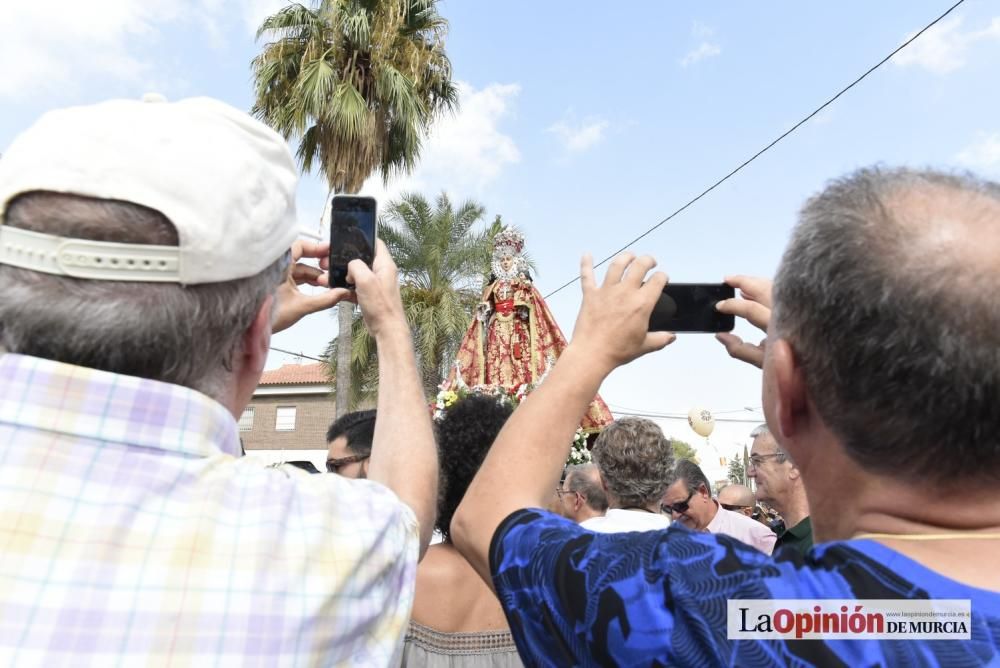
(769, 146)
(655, 416)
(302, 355)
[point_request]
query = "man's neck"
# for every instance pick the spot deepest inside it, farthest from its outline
(652, 507)
(793, 509)
(715, 511)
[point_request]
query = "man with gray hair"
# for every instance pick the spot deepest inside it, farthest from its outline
(881, 382)
(635, 461)
(581, 495)
(779, 484)
(145, 263)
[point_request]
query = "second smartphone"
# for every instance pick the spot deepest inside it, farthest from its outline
(690, 307)
(352, 235)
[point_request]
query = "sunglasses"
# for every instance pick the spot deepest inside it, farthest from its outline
(334, 465)
(729, 506)
(679, 507)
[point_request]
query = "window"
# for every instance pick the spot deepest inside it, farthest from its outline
(285, 419)
(246, 420)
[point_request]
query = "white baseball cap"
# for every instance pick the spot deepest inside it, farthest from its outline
(226, 182)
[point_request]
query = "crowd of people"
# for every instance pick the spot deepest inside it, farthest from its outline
(143, 274)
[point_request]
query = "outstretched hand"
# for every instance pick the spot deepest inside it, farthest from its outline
(293, 304)
(613, 322)
(755, 308)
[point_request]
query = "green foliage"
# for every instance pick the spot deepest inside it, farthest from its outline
(357, 83)
(439, 256)
(683, 450)
(736, 473)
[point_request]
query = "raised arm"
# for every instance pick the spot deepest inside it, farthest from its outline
(404, 454)
(523, 466)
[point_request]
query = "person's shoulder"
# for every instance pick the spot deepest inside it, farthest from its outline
(751, 525)
(342, 499)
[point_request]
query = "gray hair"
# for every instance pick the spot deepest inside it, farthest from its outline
(186, 335)
(584, 478)
(760, 430)
(692, 475)
(635, 460)
(889, 301)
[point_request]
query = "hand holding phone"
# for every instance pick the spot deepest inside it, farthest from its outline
(352, 235)
(690, 307)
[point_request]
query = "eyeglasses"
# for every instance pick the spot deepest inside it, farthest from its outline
(334, 465)
(729, 506)
(757, 460)
(677, 508)
(560, 491)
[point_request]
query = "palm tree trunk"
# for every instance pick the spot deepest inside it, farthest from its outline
(345, 347)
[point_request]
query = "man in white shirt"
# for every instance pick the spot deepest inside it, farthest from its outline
(635, 460)
(689, 500)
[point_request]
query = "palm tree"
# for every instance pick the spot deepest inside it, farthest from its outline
(356, 83)
(441, 262)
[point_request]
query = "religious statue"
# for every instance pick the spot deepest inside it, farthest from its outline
(513, 341)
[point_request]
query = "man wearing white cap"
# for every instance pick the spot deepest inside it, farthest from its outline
(144, 259)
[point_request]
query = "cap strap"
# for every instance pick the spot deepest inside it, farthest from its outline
(95, 260)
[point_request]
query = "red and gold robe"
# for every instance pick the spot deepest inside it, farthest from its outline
(519, 343)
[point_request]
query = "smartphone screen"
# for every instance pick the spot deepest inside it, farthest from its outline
(690, 307)
(352, 235)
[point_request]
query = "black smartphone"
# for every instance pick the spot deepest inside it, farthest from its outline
(690, 307)
(352, 235)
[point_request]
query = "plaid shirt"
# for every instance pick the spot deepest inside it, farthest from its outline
(133, 533)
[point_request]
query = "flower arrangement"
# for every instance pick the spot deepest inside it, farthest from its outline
(579, 452)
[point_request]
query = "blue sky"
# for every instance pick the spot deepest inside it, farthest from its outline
(586, 123)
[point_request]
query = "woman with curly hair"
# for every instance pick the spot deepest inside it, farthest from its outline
(457, 621)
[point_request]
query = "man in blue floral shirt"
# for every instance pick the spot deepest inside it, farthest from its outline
(881, 382)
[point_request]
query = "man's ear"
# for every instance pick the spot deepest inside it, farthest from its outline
(257, 338)
(788, 389)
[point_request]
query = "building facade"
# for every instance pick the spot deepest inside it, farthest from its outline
(289, 414)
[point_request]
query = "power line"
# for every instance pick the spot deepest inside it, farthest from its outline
(768, 147)
(302, 355)
(661, 416)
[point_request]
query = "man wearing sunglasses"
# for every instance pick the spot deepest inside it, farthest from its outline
(349, 443)
(689, 501)
(739, 499)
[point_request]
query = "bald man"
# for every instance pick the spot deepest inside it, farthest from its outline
(738, 498)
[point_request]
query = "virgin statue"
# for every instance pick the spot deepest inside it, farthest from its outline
(513, 341)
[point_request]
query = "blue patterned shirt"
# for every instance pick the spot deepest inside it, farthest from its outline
(574, 597)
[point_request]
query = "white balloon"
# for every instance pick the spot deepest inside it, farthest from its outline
(701, 421)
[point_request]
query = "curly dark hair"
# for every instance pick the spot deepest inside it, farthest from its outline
(464, 435)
